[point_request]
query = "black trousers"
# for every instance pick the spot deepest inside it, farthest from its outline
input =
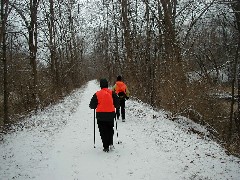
(106, 132)
(122, 107)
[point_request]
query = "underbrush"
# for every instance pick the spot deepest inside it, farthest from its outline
(205, 103)
(21, 104)
(206, 106)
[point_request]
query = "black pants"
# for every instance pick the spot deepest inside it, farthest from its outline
(106, 132)
(122, 107)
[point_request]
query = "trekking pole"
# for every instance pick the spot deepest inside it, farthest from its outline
(94, 129)
(116, 130)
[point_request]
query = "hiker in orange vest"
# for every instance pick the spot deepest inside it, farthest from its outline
(105, 101)
(120, 88)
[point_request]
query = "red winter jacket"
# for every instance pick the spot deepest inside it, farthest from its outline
(105, 101)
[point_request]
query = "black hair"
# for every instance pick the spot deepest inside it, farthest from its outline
(119, 78)
(103, 83)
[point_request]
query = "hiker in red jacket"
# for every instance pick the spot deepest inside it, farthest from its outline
(105, 101)
(120, 88)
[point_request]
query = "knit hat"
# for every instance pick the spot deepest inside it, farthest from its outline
(119, 78)
(103, 83)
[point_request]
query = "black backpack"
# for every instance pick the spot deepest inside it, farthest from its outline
(121, 95)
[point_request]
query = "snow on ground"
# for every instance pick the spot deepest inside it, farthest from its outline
(57, 144)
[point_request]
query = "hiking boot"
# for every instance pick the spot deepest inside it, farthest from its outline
(106, 150)
(111, 147)
(123, 120)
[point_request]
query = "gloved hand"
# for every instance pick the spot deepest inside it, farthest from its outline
(127, 98)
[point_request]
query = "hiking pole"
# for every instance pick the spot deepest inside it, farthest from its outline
(94, 129)
(116, 130)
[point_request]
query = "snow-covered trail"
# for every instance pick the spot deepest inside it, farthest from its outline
(60, 146)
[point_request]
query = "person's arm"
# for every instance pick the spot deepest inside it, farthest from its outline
(114, 88)
(127, 92)
(94, 102)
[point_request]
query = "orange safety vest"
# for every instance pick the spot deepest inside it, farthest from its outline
(120, 87)
(105, 101)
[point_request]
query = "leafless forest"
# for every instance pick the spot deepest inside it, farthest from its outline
(177, 55)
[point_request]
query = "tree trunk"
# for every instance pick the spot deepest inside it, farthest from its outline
(148, 60)
(32, 30)
(53, 50)
(236, 9)
(233, 97)
(4, 7)
(237, 118)
(126, 31)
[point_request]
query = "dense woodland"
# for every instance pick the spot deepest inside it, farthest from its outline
(177, 55)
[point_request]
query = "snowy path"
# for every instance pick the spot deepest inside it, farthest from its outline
(59, 146)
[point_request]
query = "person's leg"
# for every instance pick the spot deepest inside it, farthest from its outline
(122, 104)
(103, 133)
(110, 134)
(100, 127)
(117, 113)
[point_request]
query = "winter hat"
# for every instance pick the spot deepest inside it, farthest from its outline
(103, 83)
(119, 78)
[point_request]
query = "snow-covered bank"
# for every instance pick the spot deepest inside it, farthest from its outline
(58, 144)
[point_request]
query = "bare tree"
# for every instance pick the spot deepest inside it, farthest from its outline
(4, 15)
(236, 10)
(32, 44)
(52, 46)
(126, 30)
